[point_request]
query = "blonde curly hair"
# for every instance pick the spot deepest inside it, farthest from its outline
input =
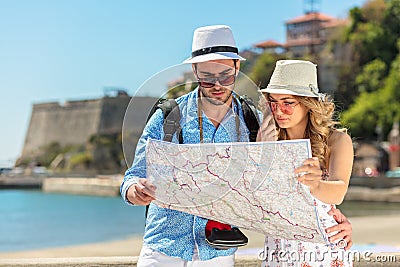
(320, 126)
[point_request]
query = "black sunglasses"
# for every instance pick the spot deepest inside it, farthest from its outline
(209, 82)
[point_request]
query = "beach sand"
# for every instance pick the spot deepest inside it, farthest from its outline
(377, 230)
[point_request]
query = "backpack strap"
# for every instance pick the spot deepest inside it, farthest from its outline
(172, 117)
(250, 115)
(171, 124)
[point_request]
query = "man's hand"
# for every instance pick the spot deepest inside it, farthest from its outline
(141, 193)
(343, 228)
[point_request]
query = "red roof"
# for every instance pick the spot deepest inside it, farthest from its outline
(302, 42)
(309, 17)
(268, 44)
(335, 23)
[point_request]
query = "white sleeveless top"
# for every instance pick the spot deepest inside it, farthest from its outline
(295, 253)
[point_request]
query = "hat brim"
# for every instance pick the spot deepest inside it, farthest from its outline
(286, 91)
(214, 56)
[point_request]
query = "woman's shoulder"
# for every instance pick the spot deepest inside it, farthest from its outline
(339, 138)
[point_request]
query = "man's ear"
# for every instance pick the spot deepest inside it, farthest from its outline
(237, 67)
(194, 68)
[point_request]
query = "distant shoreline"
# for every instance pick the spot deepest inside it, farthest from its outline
(374, 188)
(7, 182)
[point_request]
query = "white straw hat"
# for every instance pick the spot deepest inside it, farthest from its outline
(212, 43)
(294, 77)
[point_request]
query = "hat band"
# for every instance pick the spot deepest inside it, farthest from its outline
(214, 49)
(296, 88)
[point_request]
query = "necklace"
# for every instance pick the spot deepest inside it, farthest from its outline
(200, 118)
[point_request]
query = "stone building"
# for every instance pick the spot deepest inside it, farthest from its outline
(305, 35)
(76, 122)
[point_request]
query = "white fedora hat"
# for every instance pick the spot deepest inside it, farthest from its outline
(212, 43)
(294, 77)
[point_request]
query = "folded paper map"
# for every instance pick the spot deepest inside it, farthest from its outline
(249, 185)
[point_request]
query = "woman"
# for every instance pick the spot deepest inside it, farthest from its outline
(301, 112)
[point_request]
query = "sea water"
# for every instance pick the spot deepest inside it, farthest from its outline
(31, 219)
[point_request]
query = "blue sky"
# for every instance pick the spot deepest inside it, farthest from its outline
(57, 50)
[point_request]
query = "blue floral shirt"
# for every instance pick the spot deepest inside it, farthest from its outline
(171, 232)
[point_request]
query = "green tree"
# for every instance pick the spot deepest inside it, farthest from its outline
(377, 108)
(371, 36)
(391, 26)
(367, 42)
(371, 77)
(263, 68)
(368, 81)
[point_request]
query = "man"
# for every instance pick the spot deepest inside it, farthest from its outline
(209, 114)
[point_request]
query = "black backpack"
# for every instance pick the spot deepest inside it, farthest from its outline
(172, 117)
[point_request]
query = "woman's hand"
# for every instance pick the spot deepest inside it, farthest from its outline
(310, 174)
(267, 131)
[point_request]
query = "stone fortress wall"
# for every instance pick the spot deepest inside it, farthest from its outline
(74, 122)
